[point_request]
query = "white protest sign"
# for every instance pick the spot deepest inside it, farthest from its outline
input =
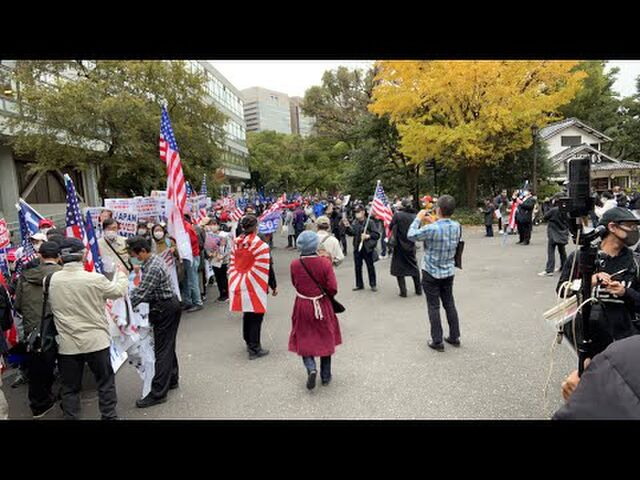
(127, 223)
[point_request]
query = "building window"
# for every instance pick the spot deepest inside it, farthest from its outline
(570, 141)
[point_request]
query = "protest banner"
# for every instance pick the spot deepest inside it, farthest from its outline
(270, 223)
(127, 223)
(122, 204)
(5, 236)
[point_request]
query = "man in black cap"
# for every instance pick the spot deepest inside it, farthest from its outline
(616, 282)
(77, 300)
(164, 316)
(40, 365)
(366, 254)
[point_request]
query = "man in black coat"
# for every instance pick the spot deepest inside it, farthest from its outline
(557, 236)
(368, 251)
(609, 388)
(523, 217)
(403, 259)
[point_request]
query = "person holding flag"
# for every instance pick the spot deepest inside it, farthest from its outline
(365, 237)
(251, 275)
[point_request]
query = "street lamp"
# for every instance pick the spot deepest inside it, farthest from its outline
(534, 134)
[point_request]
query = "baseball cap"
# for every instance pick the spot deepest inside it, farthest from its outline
(45, 223)
(323, 220)
(49, 249)
(618, 215)
(74, 245)
(39, 236)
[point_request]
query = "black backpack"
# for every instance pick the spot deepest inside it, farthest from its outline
(6, 317)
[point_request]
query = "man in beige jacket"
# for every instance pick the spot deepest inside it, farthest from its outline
(328, 245)
(77, 300)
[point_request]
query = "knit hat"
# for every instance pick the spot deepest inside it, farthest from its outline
(307, 242)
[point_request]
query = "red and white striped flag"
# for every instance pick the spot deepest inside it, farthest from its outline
(75, 224)
(278, 205)
(236, 214)
(381, 209)
(249, 275)
(176, 188)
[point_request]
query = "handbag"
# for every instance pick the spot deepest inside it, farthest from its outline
(392, 241)
(459, 250)
(337, 306)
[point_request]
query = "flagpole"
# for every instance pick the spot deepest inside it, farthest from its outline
(21, 200)
(368, 218)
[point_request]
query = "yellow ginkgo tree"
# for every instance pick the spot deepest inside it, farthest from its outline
(468, 115)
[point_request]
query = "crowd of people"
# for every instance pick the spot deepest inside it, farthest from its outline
(236, 257)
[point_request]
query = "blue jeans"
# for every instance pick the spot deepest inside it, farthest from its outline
(325, 366)
(190, 290)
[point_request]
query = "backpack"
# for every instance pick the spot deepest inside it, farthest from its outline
(6, 316)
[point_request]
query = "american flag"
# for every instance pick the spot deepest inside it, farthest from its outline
(203, 188)
(176, 188)
(28, 252)
(93, 243)
(75, 224)
(279, 204)
(169, 154)
(381, 209)
(236, 214)
(189, 190)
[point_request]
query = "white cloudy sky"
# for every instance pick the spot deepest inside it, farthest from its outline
(293, 77)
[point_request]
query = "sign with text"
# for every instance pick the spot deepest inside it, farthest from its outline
(127, 223)
(5, 237)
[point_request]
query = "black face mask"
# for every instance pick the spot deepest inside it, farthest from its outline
(632, 237)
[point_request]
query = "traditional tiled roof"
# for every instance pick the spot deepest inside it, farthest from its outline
(556, 127)
(578, 149)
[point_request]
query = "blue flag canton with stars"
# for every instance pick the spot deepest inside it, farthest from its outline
(167, 131)
(380, 194)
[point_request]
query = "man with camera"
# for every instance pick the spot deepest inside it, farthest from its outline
(616, 282)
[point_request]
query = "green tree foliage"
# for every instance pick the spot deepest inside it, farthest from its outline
(107, 113)
(596, 103)
(339, 103)
(282, 162)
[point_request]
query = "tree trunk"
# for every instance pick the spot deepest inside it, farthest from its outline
(471, 175)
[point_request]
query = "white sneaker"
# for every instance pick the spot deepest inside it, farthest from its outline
(545, 274)
(500, 232)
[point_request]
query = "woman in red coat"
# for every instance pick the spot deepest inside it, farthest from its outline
(315, 331)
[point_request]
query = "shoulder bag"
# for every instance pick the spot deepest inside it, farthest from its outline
(337, 306)
(459, 250)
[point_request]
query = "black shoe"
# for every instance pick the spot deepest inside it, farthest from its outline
(526, 243)
(403, 294)
(311, 380)
(455, 343)
(518, 243)
(257, 354)
(357, 288)
(174, 386)
(43, 412)
(374, 289)
(149, 401)
(185, 306)
(326, 381)
(418, 292)
(437, 346)
(195, 308)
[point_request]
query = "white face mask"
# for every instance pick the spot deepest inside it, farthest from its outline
(158, 235)
(110, 235)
